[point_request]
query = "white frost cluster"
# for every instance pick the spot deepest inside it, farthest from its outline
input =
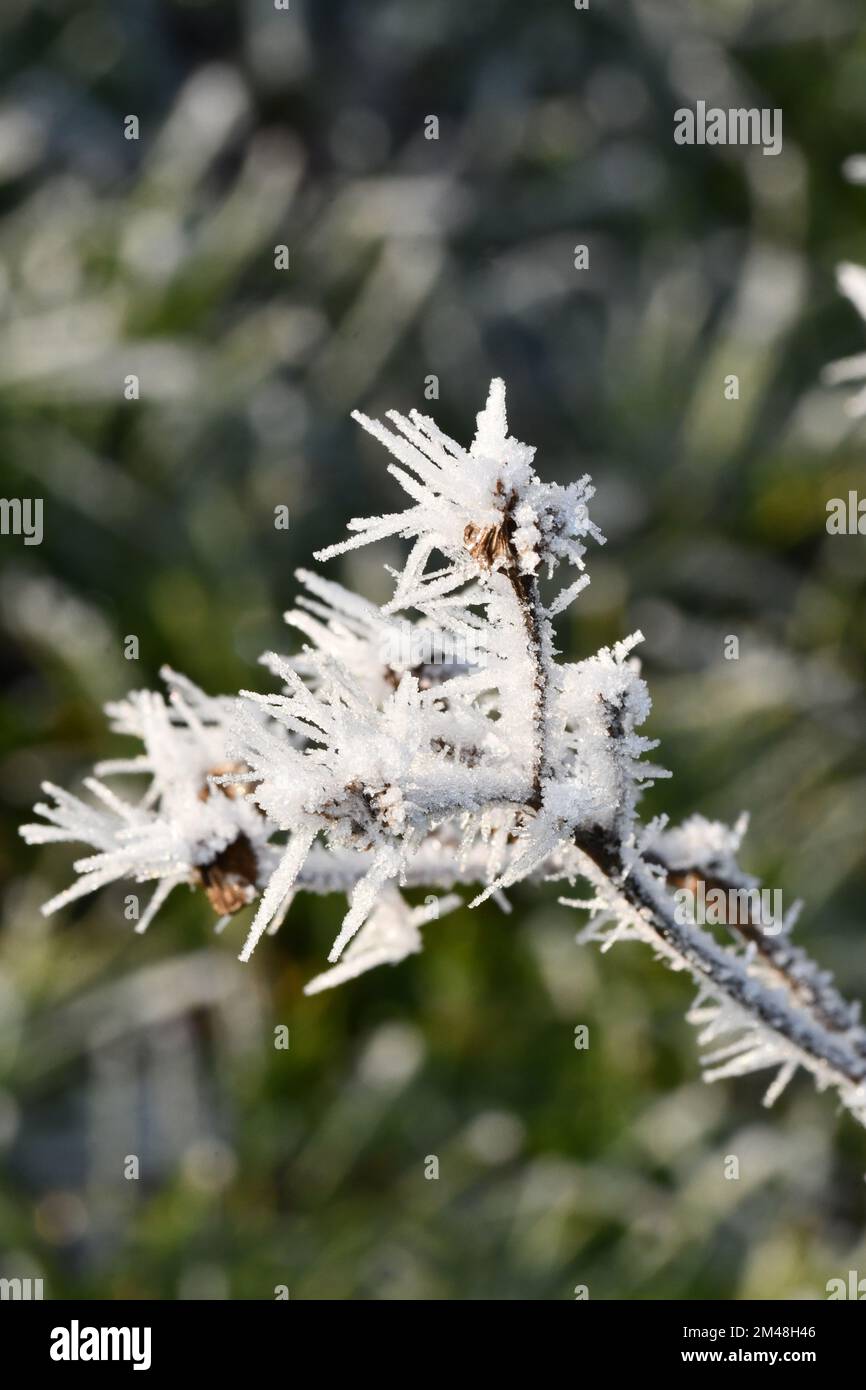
(438, 741)
(708, 847)
(184, 826)
(385, 756)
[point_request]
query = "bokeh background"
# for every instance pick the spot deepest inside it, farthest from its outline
(409, 258)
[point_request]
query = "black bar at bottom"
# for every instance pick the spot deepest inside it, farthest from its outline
(256, 1338)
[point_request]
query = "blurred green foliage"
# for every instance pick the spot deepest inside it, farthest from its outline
(411, 258)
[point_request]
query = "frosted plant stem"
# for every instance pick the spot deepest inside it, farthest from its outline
(787, 965)
(817, 1024)
(640, 898)
(537, 628)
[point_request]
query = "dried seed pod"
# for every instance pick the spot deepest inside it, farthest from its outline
(229, 881)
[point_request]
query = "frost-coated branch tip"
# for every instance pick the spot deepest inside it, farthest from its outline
(439, 741)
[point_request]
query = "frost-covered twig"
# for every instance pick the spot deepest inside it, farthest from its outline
(783, 1017)
(438, 741)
